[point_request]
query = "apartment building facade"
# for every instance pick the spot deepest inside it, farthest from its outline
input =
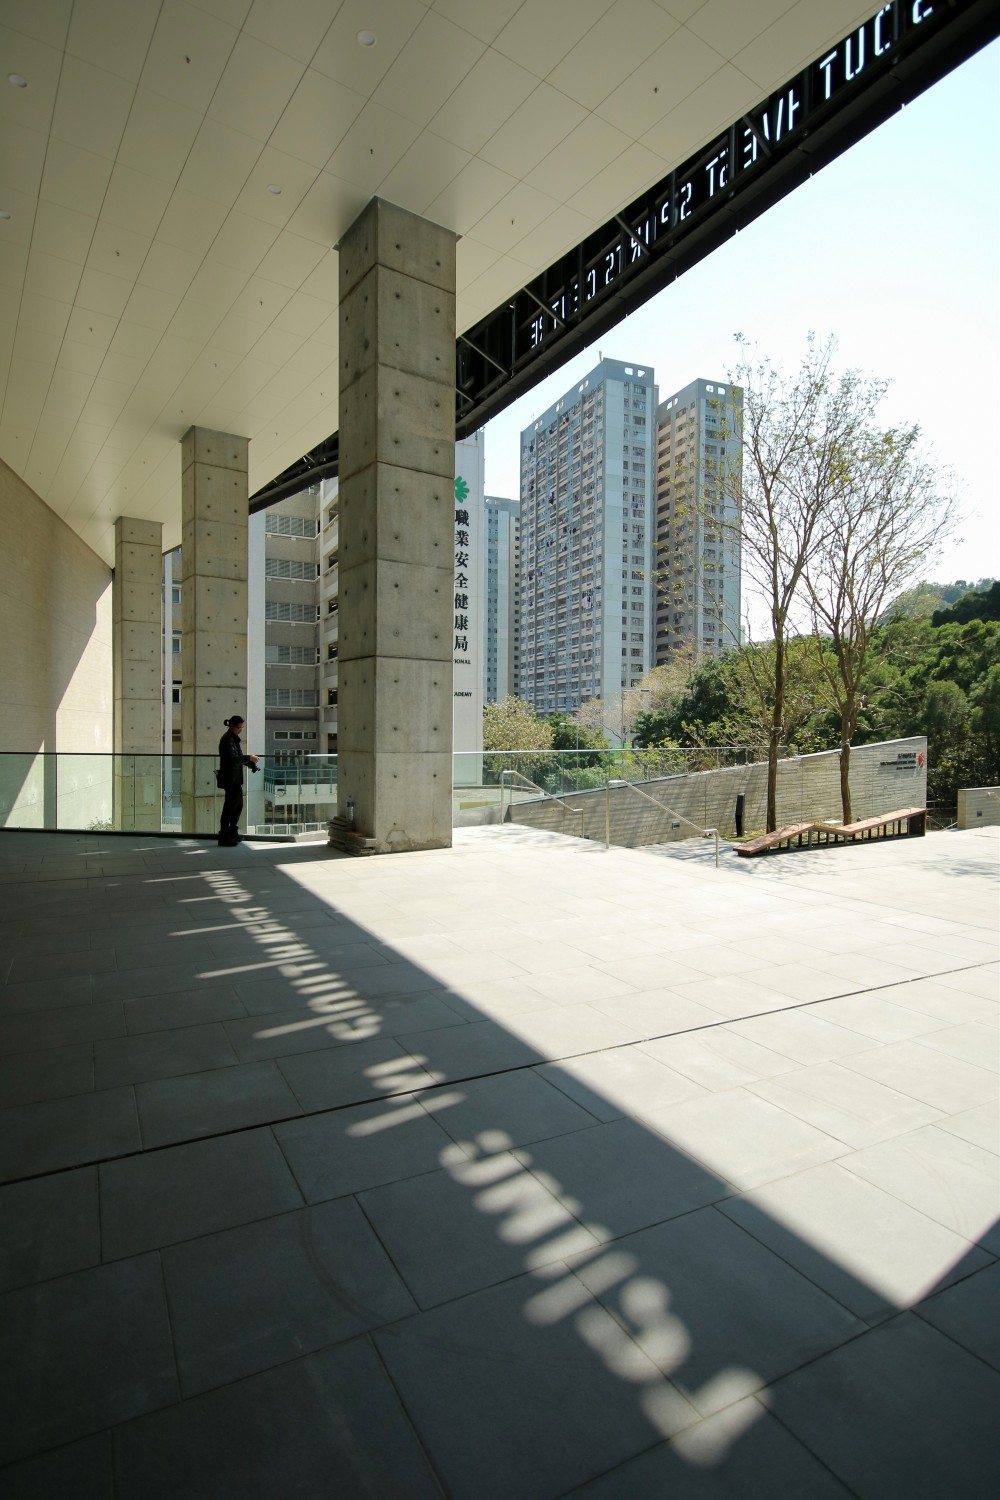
(586, 540)
(698, 557)
(501, 597)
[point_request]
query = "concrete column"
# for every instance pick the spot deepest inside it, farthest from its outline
(137, 623)
(213, 611)
(397, 520)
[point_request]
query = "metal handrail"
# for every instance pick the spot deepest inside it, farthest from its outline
(577, 811)
(663, 807)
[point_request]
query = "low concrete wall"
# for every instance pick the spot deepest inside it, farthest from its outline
(884, 777)
(979, 806)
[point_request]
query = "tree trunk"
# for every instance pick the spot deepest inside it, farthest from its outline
(774, 738)
(845, 773)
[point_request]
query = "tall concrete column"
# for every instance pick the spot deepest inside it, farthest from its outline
(137, 616)
(213, 611)
(397, 520)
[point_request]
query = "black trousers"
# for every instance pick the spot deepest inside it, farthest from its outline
(232, 807)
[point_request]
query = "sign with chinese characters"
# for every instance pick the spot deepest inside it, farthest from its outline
(467, 640)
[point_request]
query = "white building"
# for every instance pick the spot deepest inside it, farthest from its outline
(587, 478)
(501, 598)
(697, 570)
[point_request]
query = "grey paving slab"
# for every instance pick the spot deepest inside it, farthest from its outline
(162, 1054)
(184, 1191)
(351, 1074)
(865, 1247)
(845, 1104)
(931, 997)
(570, 1030)
(528, 1105)
(485, 1381)
(313, 1027)
(975, 1042)
(983, 981)
(969, 1313)
(81, 1353)
(186, 1008)
(743, 1138)
(26, 1077)
(172, 1110)
(333, 1421)
(60, 1133)
(619, 1082)
(454, 1232)
(741, 1453)
(718, 1058)
(980, 1125)
(60, 1026)
(657, 1012)
(885, 1020)
(468, 1051)
(155, 979)
(621, 1176)
(265, 1293)
(579, 986)
(803, 1036)
(48, 1227)
(65, 964)
(711, 957)
(715, 1309)
(900, 1414)
(733, 996)
(946, 1083)
(78, 1471)
(948, 1179)
(361, 1147)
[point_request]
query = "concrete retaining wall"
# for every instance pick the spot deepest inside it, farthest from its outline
(979, 806)
(884, 777)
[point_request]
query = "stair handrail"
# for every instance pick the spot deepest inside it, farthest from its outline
(663, 807)
(577, 811)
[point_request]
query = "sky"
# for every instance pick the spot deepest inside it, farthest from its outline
(895, 249)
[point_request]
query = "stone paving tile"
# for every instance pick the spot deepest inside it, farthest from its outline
(178, 1193)
(984, 981)
(182, 1109)
(802, 1036)
(947, 1083)
(719, 1058)
(741, 1453)
(311, 1027)
(79, 1471)
(900, 1414)
(529, 1105)
(477, 1371)
(872, 1252)
(844, 1104)
(26, 1077)
(621, 1176)
(59, 1027)
(459, 1230)
(187, 1008)
(579, 986)
(969, 1313)
(733, 996)
(885, 1020)
(980, 1125)
(332, 1420)
(162, 1054)
(656, 1013)
(931, 997)
(714, 1308)
(265, 1293)
(101, 1353)
(570, 1030)
(59, 1133)
(975, 1043)
(948, 1179)
(49, 1226)
(617, 1083)
(362, 1146)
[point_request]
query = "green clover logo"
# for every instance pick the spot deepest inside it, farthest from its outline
(461, 489)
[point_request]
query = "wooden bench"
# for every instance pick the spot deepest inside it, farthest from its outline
(906, 822)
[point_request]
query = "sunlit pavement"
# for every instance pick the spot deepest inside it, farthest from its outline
(517, 1171)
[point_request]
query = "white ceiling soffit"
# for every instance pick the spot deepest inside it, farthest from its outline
(176, 173)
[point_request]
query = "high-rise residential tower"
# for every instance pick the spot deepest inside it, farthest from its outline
(697, 568)
(587, 518)
(501, 598)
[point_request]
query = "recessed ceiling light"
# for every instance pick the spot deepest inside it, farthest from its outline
(17, 80)
(275, 188)
(366, 38)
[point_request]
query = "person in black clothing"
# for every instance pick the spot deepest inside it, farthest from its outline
(231, 763)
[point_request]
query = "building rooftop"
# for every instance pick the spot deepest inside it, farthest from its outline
(519, 1169)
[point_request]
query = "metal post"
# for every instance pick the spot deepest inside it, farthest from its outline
(607, 815)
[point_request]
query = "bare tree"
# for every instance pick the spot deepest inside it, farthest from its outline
(891, 512)
(794, 431)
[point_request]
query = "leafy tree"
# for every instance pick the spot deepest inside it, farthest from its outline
(983, 605)
(512, 724)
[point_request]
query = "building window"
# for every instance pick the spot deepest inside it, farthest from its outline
(290, 526)
(281, 567)
(291, 698)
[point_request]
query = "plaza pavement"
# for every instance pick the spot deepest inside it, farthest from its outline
(517, 1171)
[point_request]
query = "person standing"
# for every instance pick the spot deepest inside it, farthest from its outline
(231, 763)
